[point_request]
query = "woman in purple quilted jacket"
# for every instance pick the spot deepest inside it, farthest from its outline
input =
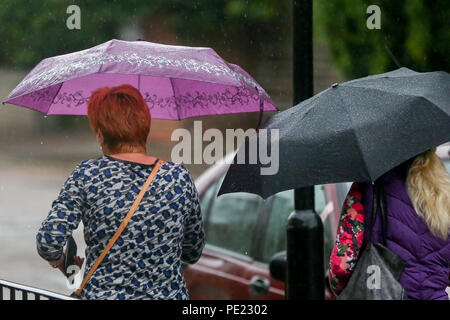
(417, 196)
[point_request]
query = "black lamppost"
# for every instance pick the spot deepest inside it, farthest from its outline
(304, 240)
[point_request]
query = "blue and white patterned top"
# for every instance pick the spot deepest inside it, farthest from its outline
(166, 228)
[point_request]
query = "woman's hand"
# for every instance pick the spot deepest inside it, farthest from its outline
(59, 264)
(78, 261)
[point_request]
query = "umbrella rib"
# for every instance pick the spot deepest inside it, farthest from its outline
(175, 99)
(375, 77)
(106, 51)
(355, 135)
(51, 102)
(387, 90)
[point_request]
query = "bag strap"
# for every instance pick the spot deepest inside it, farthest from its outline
(121, 227)
(383, 216)
(378, 204)
(373, 216)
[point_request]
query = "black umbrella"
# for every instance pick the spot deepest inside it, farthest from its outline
(354, 131)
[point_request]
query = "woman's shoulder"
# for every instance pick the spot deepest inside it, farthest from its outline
(85, 165)
(177, 169)
(174, 166)
(88, 163)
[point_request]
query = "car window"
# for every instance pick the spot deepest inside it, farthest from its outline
(231, 221)
(320, 200)
(275, 237)
(207, 198)
(283, 205)
(447, 165)
(341, 192)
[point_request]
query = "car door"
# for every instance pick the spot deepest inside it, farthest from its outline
(243, 232)
(282, 205)
(227, 269)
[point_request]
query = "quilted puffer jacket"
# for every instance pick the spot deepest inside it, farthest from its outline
(426, 275)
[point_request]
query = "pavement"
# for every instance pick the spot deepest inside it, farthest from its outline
(26, 193)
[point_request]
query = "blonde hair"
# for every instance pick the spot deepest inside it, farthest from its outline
(428, 184)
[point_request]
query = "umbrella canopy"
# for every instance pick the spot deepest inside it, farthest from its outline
(177, 82)
(354, 131)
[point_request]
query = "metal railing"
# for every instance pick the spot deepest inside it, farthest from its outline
(14, 291)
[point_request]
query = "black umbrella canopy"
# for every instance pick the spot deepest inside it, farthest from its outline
(354, 131)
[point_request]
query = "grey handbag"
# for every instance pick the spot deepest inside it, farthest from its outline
(378, 269)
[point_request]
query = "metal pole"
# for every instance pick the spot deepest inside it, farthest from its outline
(304, 239)
(303, 50)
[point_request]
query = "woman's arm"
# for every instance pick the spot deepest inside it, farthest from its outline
(64, 217)
(349, 240)
(194, 236)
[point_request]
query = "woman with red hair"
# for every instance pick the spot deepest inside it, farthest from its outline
(144, 261)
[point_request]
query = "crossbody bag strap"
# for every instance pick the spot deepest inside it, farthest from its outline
(383, 212)
(121, 227)
(378, 205)
(373, 216)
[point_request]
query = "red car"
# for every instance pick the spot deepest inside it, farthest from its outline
(243, 232)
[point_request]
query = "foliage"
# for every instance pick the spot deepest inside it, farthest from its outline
(413, 32)
(34, 29)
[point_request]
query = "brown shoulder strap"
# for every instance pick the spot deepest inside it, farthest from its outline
(121, 227)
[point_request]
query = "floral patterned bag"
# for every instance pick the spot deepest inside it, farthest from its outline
(377, 270)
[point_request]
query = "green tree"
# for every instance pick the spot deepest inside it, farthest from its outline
(413, 34)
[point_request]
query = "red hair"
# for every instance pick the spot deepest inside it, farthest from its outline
(121, 115)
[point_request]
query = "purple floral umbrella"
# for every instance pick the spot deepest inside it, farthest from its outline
(177, 82)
